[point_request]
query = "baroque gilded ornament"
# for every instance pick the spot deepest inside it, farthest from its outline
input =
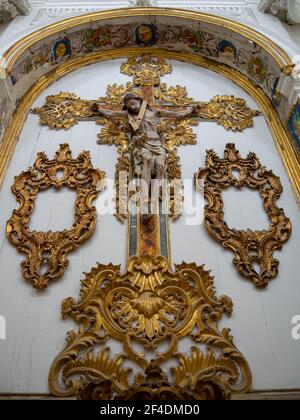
(155, 385)
(173, 174)
(146, 70)
(49, 250)
(230, 112)
(249, 246)
(149, 305)
(150, 310)
(64, 110)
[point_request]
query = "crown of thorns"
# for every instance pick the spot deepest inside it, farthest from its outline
(130, 96)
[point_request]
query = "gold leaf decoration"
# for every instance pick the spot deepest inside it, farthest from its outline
(248, 246)
(114, 132)
(199, 366)
(175, 193)
(178, 132)
(50, 249)
(176, 95)
(63, 110)
(115, 93)
(230, 112)
(100, 367)
(122, 177)
(146, 70)
(154, 385)
(150, 305)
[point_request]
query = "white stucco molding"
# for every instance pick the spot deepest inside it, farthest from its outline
(142, 3)
(294, 10)
(286, 10)
(2, 67)
(9, 9)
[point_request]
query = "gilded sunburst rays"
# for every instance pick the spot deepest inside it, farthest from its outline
(148, 314)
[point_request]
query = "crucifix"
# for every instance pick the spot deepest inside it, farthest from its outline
(147, 147)
(147, 120)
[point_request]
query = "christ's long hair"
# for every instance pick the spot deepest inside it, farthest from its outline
(130, 96)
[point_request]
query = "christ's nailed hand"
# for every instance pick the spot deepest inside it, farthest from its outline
(196, 108)
(95, 107)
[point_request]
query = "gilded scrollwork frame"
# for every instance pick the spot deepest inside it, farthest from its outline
(49, 250)
(248, 246)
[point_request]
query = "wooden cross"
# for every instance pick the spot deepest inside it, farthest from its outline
(147, 234)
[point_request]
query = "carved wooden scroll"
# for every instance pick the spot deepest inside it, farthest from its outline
(148, 305)
(248, 246)
(50, 249)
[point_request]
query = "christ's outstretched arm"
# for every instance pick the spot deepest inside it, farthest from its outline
(177, 114)
(107, 112)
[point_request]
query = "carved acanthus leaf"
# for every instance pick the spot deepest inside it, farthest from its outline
(146, 70)
(148, 304)
(114, 132)
(178, 132)
(230, 112)
(115, 93)
(177, 95)
(63, 110)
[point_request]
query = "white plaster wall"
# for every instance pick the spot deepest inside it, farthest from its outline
(261, 322)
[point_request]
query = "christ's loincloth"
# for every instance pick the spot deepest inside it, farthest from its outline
(149, 150)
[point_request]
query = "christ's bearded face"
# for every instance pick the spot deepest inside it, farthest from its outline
(133, 105)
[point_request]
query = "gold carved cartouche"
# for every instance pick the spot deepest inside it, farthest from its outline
(50, 249)
(248, 246)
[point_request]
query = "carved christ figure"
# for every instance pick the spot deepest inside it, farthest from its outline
(148, 150)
